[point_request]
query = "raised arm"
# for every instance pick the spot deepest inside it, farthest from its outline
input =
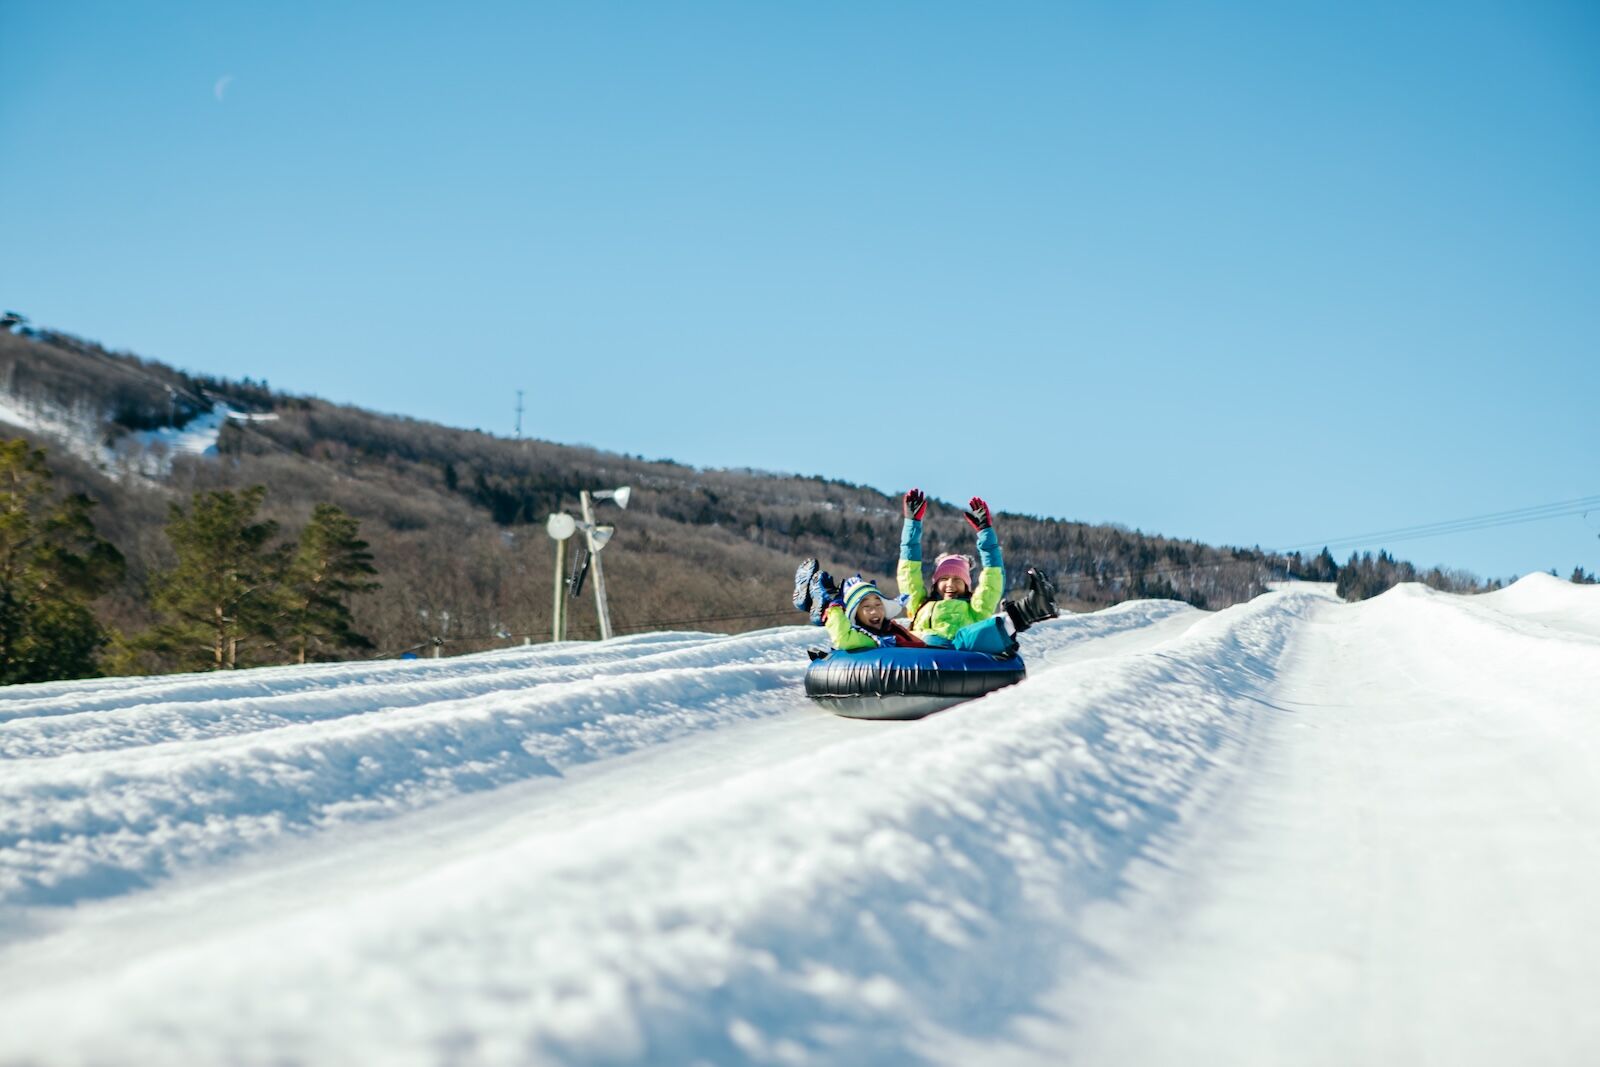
(992, 582)
(909, 572)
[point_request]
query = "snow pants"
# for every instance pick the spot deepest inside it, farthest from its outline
(988, 636)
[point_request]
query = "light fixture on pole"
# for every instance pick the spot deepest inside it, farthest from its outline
(597, 538)
(560, 526)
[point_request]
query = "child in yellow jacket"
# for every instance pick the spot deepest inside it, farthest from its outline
(857, 617)
(957, 613)
(863, 618)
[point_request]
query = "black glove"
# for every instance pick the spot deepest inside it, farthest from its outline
(978, 514)
(916, 504)
(829, 588)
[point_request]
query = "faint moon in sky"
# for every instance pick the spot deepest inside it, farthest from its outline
(221, 86)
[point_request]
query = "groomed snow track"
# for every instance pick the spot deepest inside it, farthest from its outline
(1241, 837)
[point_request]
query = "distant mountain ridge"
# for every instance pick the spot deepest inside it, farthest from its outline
(455, 517)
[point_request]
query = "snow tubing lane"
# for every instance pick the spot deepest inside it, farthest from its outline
(906, 683)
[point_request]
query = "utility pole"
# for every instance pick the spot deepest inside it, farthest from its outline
(600, 606)
(519, 414)
(560, 527)
(558, 611)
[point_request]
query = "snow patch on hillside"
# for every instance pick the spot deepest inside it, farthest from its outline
(78, 430)
(145, 453)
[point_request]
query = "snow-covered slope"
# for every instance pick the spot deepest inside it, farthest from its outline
(147, 453)
(80, 430)
(1293, 831)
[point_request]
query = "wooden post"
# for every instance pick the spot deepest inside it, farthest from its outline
(594, 560)
(558, 613)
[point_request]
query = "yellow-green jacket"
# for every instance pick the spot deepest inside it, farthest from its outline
(945, 617)
(848, 637)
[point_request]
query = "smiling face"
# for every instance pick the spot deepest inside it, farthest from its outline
(870, 612)
(950, 586)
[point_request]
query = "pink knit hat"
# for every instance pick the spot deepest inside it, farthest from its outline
(949, 564)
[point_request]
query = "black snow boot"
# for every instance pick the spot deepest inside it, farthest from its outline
(1036, 604)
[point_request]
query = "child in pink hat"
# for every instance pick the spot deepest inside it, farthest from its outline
(957, 612)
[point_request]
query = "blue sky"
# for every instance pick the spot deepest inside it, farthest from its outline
(1249, 273)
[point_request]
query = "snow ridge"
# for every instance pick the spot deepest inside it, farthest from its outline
(100, 823)
(114, 787)
(163, 714)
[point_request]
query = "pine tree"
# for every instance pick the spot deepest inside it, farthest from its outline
(331, 563)
(1319, 568)
(226, 593)
(51, 565)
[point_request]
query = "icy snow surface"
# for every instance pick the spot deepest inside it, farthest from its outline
(1293, 831)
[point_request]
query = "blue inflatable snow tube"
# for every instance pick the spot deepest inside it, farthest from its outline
(906, 683)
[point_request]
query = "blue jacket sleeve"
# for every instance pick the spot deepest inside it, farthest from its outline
(992, 582)
(988, 548)
(911, 540)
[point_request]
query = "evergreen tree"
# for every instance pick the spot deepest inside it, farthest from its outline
(1363, 577)
(225, 595)
(1326, 569)
(331, 563)
(51, 565)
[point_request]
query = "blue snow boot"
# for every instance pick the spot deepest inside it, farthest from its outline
(824, 591)
(802, 584)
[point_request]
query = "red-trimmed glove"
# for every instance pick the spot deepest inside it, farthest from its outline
(977, 514)
(916, 504)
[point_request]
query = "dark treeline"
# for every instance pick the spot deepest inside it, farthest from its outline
(1365, 576)
(453, 519)
(235, 595)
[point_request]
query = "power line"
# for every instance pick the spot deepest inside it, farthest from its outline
(1535, 513)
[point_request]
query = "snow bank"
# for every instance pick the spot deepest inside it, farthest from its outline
(112, 799)
(1550, 601)
(120, 781)
(1403, 873)
(1295, 831)
(839, 900)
